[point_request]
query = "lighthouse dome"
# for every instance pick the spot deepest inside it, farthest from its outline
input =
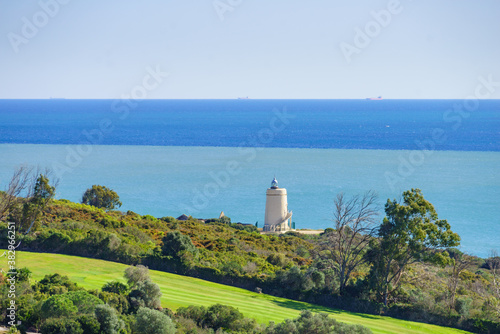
(274, 184)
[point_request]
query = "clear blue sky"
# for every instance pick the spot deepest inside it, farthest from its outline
(261, 48)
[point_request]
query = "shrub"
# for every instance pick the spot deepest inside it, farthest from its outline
(118, 302)
(222, 316)
(218, 317)
(152, 321)
(84, 301)
(50, 282)
(61, 326)
(89, 324)
(21, 274)
(136, 274)
(145, 294)
(176, 242)
(308, 323)
(196, 313)
(115, 287)
(462, 306)
(108, 320)
(58, 306)
(278, 259)
(327, 231)
(232, 268)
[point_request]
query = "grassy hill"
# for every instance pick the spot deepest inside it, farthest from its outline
(183, 291)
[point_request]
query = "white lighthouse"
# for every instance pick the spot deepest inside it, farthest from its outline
(278, 219)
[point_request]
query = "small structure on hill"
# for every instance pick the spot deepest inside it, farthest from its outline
(182, 217)
(278, 218)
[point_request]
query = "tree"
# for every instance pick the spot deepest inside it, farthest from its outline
(84, 301)
(43, 192)
(459, 262)
(494, 265)
(61, 326)
(89, 324)
(294, 280)
(218, 317)
(115, 287)
(101, 197)
(410, 232)
(20, 274)
(136, 274)
(175, 242)
(55, 282)
(152, 321)
(319, 323)
(345, 246)
(119, 302)
(222, 316)
(108, 319)
(18, 184)
(58, 306)
(146, 294)
(26, 196)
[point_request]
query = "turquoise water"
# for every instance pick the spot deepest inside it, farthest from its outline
(202, 181)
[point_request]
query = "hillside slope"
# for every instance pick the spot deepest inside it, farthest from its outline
(183, 291)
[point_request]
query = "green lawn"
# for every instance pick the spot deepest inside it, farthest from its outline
(183, 291)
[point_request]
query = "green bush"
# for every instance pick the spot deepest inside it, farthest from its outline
(108, 319)
(278, 259)
(152, 321)
(308, 323)
(463, 305)
(89, 324)
(136, 274)
(84, 301)
(145, 294)
(118, 302)
(58, 306)
(115, 287)
(61, 326)
(55, 282)
(176, 242)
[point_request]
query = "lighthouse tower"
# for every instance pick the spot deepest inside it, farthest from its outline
(278, 219)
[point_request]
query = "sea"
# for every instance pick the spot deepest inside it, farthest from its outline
(202, 157)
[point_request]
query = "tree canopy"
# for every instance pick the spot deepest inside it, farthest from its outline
(410, 232)
(175, 242)
(101, 197)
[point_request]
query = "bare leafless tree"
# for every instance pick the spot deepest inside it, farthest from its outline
(20, 201)
(460, 262)
(19, 183)
(354, 224)
(494, 264)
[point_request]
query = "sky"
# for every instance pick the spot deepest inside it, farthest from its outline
(263, 49)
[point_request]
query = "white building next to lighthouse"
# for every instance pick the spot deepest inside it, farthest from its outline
(278, 218)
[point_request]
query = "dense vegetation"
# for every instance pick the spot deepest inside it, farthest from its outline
(56, 305)
(184, 291)
(405, 266)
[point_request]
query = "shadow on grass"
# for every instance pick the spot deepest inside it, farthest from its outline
(296, 305)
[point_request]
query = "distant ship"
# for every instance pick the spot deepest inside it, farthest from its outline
(243, 98)
(374, 98)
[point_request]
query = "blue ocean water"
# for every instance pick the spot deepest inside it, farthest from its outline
(202, 157)
(347, 124)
